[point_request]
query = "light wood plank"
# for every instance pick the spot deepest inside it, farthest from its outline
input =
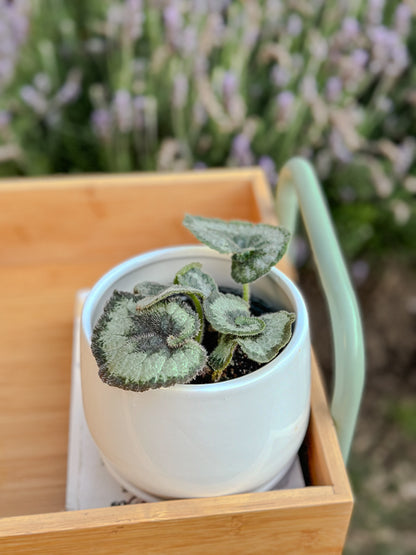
(211, 177)
(93, 223)
(302, 522)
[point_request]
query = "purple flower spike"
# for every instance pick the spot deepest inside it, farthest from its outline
(360, 57)
(123, 110)
(102, 122)
(133, 18)
(350, 28)
(269, 168)
(403, 19)
(389, 51)
(34, 99)
(229, 84)
(13, 31)
(70, 89)
(375, 11)
(285, 100)
(172, 19)
(241, 150)
(338, 146)
(333, 88)
(294, 25)
(42, 82)
(5, 118)
(229, 89)
(280, 76)
(189, 40)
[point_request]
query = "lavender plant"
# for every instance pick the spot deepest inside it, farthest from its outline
(169, 85)
(154, 336)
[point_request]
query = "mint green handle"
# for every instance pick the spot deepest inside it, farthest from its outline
(298, 186)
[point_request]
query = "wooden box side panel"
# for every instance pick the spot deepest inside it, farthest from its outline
(324, 457)
(86, 220)
(309, 528)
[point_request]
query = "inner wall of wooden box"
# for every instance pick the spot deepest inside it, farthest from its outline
(56, 238)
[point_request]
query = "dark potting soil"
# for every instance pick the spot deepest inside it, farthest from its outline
(240, 365)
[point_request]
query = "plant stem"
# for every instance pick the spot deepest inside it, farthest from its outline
(246, 292)
(198, 307)
(216, 375)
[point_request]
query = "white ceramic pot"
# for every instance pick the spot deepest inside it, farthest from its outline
(200, 440)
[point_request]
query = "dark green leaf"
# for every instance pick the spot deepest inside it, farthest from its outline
(266, 345)
(148, 349)
(255, 248)
(192, 276)
(230, 315)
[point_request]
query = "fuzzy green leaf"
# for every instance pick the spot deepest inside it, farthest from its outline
(255, 248)
(230, 314)
(164, 294)
(148, 289)
(266, 345)
(148, 349)
(191, 275)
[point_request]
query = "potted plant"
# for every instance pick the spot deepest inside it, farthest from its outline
(191, 390)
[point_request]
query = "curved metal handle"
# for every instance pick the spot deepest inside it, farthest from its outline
(298, 185)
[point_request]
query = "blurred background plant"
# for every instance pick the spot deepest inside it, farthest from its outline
(112, 85)
(168, 85)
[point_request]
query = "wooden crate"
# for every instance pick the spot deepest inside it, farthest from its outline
(58, 235)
